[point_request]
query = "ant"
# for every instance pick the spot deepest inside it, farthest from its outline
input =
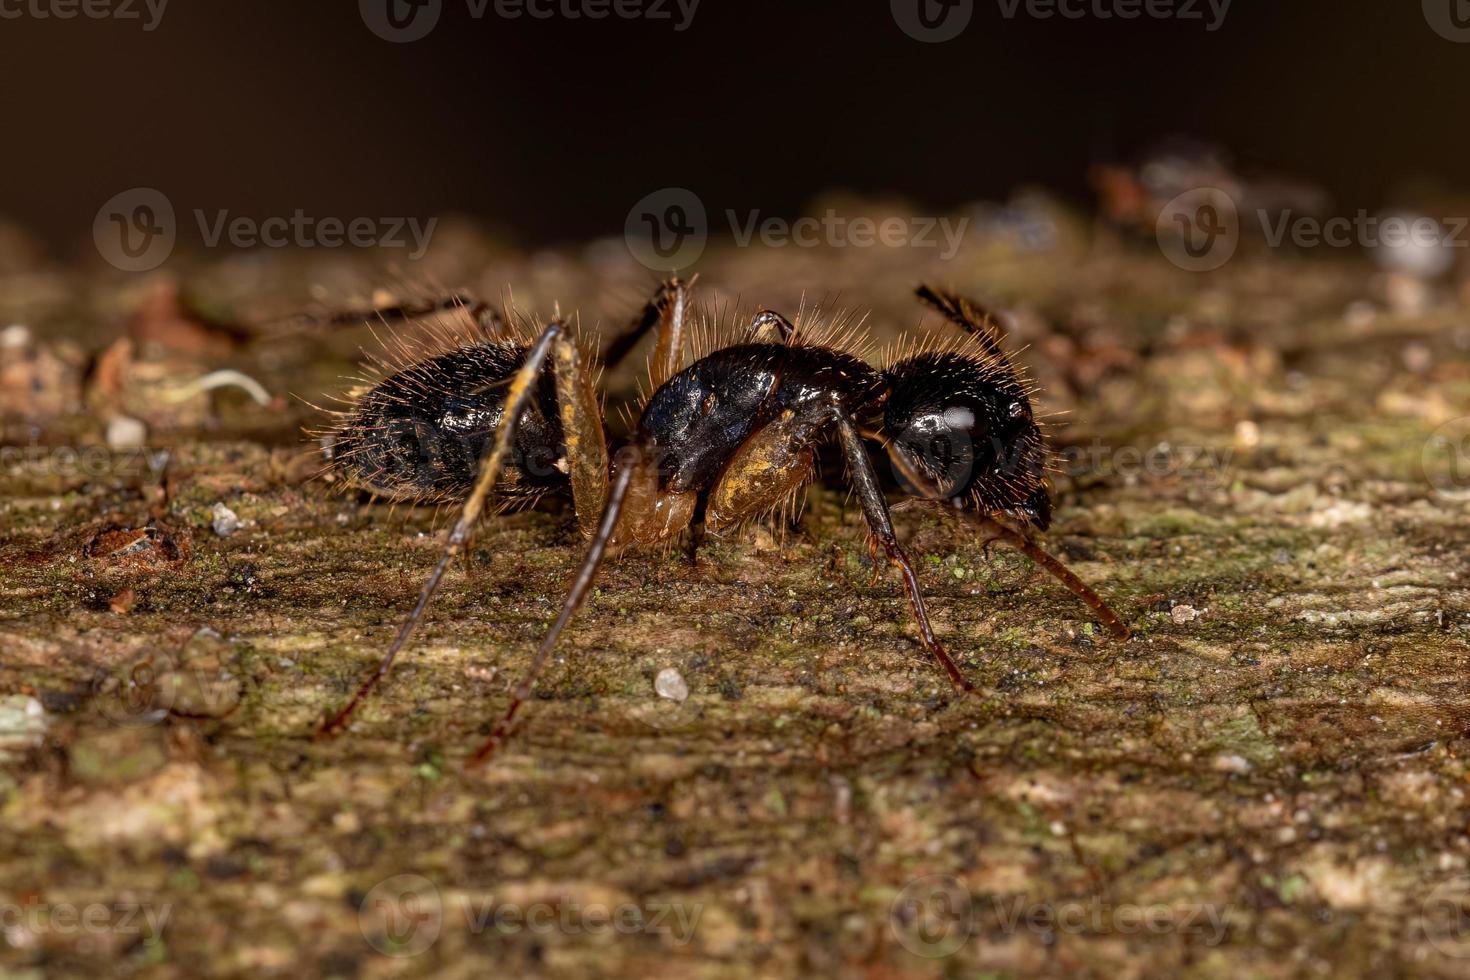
(721, 441)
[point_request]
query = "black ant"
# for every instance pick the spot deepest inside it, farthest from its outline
(722, 441)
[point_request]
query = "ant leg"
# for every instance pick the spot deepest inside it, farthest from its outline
(770, 327)
(521, 389)
(668, 310)
(1022, 542)
(583, 437)
(630, 463)
(487, 319)
(875, 508)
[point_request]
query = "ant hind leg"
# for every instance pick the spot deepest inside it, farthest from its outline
(630, 466)
(522, 388)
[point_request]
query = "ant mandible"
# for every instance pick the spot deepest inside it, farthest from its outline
(721, 441)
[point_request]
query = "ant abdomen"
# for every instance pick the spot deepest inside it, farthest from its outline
(959, 428)
(419, 433)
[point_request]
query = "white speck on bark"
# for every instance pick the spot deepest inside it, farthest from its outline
(670, 684)
(1232, 763)
(226, 521)
(124, 432)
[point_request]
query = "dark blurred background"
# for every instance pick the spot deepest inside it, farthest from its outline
(551, 129)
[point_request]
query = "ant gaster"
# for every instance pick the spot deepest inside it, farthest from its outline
(729, 437)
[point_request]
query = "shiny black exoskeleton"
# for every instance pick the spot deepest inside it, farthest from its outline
(420, 432)
(957, 428)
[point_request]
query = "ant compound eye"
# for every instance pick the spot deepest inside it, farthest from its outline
(935, 453)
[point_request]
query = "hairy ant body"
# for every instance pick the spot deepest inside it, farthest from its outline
(720, 442)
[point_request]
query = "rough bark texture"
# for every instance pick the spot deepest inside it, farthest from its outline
(1267, 780)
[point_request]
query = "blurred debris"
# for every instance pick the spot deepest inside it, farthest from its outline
(153, 546)
(165, 320)
(38, 382)
(224, 521)
(23, 724)
(124, 432)
(224, 379)
(1133, 195)
(670, 684)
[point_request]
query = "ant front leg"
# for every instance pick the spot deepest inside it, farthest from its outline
(519, 395)
(1022, 542)
(880, 525)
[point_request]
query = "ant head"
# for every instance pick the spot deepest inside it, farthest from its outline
(959, 427)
